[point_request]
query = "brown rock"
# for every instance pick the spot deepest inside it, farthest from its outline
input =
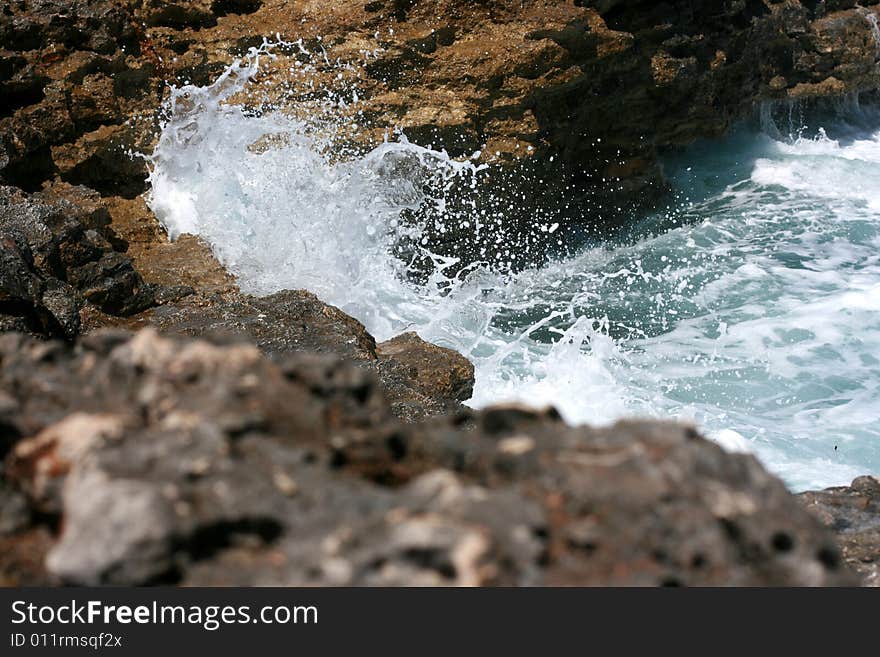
(93, 101)
(103, 159)
(279, 324)
(224, 467)
(853, 514)
(519, 82)
(441, 377)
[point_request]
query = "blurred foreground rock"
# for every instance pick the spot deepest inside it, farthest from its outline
(137, 459)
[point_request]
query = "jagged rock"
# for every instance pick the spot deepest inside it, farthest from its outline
(191, 13)
(186, 261)
(103, 160)
(58, 253)
(180, 461)
(174, 460)
(549, 77)
(67, 54)
(536, 87)
(853, 514)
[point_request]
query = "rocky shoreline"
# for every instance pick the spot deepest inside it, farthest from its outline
(159, 426)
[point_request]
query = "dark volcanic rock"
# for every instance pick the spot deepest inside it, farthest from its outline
(145, 459)
(853, 513)
(74, 69)
(58, 253)
(168, 460)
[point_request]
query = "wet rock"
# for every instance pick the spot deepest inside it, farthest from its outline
(549, 78)
(420, 378)
(195, 13)
(58, 253)
(179, 460)
(186, 261)
(853, 514)
(26, 304)
(172, 460)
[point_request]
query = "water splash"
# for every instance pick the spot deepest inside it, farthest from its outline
(752, 311)
(267, 191)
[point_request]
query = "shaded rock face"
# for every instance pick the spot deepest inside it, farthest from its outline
(58, 253)
(602, 86)
(853, 513)
(278, 324)
(80, 85)
(606, 86)
(179, 460)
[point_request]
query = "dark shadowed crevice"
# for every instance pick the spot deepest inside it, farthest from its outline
(225, 7)
(208, 540)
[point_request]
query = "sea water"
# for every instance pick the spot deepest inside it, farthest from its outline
(752, 309)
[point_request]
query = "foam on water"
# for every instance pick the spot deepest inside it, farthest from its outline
(753, 312)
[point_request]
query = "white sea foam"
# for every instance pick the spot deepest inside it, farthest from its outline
(757, 319)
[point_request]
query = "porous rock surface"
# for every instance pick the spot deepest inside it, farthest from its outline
(148, 459)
